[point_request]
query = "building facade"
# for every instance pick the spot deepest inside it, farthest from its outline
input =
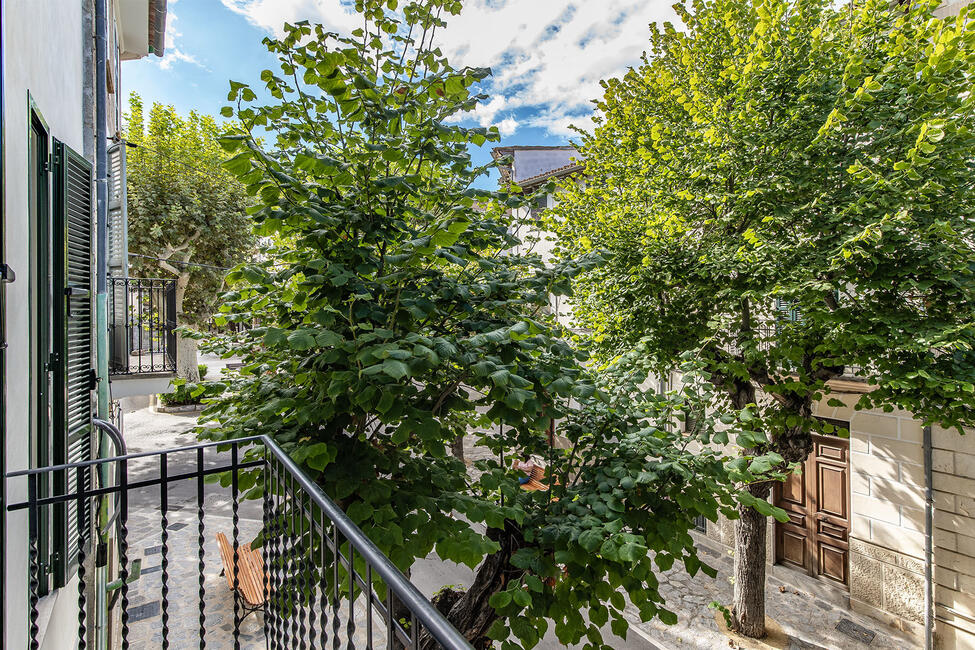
(50, 101)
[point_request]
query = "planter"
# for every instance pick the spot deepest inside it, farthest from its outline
(182, 408)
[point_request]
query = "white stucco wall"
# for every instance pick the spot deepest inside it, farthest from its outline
(43, 57)
(543, 243)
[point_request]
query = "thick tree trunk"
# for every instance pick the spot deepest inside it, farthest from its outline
(187, 363)
(469, 611)
(748, 606)
(457, 448)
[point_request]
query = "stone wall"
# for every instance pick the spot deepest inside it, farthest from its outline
(887, 493)
(954, 537)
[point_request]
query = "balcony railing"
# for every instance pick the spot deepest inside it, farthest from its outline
(325, 583)
(765, 336)
(142, 325)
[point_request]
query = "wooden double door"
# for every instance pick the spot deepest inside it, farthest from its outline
(816, 537)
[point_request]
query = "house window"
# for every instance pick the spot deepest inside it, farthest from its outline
(61, 230)
(538, 205)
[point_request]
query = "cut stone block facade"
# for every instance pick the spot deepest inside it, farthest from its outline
(887, 531)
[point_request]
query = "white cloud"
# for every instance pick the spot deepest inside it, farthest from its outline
(173, 53)
(508, 126)
(271, 15)
(547, 56)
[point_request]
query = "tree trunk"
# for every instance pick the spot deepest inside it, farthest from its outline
(748, 606)
(457, 448)
(469, 611)
(187, 364)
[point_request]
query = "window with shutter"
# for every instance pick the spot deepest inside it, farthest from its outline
(41, 352)
(72, 238)
(789, 310)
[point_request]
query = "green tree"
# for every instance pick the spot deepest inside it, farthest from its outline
(186, 213)
(785, 189)
(395, 317)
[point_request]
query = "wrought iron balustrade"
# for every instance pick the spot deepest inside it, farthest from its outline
(325, 583)
(142, 325)
(764, 337)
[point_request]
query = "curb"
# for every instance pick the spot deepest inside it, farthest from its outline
(184, 408)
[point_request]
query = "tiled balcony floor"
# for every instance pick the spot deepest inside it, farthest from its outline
(145, 595)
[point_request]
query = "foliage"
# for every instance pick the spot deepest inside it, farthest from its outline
(787, 186)
(187, 393)
(393, 316)
(203, 369)
(183, 206)
(784, 189)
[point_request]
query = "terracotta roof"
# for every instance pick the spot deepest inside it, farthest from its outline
(536, 163)
(559, 172)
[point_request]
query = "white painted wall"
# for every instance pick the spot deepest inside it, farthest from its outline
(544, 245)
(43, 57)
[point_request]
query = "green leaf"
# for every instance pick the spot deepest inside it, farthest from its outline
(301, 340)
(386, 402)
(590, 540)
(500, 600)
(395, 369)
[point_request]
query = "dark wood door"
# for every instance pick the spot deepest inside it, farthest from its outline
(816, 537)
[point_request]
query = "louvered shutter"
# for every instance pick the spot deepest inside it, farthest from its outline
(788, 310)
(72, 233)
(118, 233)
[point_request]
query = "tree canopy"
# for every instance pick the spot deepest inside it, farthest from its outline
(786, 190)
(186, 213)
(395, 317)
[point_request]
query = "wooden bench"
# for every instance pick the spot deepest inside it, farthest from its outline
(250, 580)
(534, 482)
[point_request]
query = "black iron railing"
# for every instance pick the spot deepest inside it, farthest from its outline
(324, 583)
(142, 325)
(764, 337)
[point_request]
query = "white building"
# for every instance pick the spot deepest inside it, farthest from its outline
(50, 103)
(531, 167)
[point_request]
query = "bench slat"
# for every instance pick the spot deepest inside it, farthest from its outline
(250, 581)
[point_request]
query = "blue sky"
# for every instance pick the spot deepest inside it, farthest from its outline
(547, 55)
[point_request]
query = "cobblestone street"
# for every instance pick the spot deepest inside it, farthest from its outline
(809, 622)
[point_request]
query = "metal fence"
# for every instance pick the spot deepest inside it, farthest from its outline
(142, 325)
(325, 584)
(765, 336)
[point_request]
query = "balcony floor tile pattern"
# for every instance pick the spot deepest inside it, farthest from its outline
(145, 615)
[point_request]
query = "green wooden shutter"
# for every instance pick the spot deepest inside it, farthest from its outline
(72, 235)
(788, 310)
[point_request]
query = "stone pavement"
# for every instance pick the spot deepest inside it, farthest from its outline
(810, 622)
(145, 595)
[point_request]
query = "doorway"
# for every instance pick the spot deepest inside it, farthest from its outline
(815, 540)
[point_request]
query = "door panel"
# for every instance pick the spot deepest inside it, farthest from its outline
(831, 491)
(791, 547)
(794, 491)
(833, 562)
(815, 539)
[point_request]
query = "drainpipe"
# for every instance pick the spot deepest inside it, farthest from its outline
(101, 301)
(928, 542)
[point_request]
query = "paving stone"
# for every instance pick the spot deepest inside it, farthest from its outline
(855, 632)
(142, 612)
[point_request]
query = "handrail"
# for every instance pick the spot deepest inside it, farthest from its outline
(435, 622)
(423, 612)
